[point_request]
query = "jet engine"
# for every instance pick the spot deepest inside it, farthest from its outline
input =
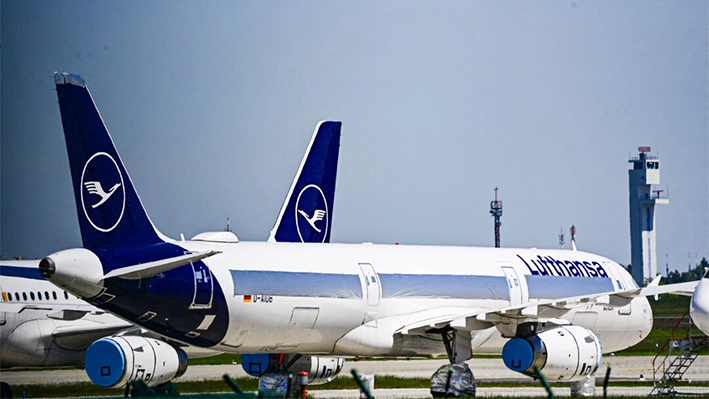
(566, 353)
(113, 361)
(320, 370)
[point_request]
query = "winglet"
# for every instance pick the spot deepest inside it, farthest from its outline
(656, 281)
(109, 209)
(306, 214)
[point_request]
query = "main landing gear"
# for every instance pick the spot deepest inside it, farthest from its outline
(454, 379)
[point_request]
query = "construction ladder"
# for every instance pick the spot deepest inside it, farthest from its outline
(683, 350)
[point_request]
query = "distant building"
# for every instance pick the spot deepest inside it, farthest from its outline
(645, 173)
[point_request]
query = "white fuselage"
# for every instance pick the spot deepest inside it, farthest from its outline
(699, 307)
(33, 311)
(342, 299)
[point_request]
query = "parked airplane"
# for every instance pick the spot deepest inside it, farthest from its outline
(549, 308)
(53, 328)
(307, 216)
(699, 307)
(42, 326)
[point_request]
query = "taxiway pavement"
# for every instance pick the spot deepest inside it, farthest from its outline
(488, 369)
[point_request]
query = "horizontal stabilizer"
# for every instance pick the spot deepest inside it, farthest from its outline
(147, 270)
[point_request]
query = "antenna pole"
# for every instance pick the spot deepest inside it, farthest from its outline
(496, 212)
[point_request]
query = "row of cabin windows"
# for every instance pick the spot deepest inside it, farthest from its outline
(32, 296)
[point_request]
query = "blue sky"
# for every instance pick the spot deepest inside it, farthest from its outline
(211, 106)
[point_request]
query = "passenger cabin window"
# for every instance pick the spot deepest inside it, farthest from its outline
(32, 295)
(66, 296)
(54, 295)
(17, 296)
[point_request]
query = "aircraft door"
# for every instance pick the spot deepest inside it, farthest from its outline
(618, 285)
(371, 284)
(514, 286)
(613, 274)
(203, 286)
(301, 324)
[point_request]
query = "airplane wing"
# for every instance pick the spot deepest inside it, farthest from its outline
(686, 289)
(80, 337)
(538, 311)
(19, 307)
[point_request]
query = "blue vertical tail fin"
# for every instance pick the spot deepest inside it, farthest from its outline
(306, 215)
(109, 209)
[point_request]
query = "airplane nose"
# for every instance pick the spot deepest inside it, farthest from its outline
(643, 320)
(699, 307)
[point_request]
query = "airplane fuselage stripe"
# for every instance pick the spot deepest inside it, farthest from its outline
(331, 285)
(300, 284)
(551, 287)
(24, 272)
(444, 286)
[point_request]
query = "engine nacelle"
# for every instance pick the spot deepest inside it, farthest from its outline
(566, 353)
(320, 370)
(78, 271)
(113, 361)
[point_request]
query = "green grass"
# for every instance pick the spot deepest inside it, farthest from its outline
(670, 305)
(224, 358)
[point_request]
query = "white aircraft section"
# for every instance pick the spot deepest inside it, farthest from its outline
(43, 326)
(558, 308)
(699, 307)
(368, 318)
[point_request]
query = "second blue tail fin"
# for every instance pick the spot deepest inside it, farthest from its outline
(109, 209)
(306, 215)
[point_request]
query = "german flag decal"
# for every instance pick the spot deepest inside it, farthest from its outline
(247, 298)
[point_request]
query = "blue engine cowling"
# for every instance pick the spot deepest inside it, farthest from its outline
(566, 353)
(114, 361)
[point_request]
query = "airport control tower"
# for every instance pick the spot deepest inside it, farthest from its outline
(645, 173)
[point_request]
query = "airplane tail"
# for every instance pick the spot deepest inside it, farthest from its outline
(306, 215)
(109, 209)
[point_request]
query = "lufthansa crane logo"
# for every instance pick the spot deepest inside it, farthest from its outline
(103, 208)
(311, 217)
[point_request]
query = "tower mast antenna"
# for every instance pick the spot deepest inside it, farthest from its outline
(496, 212)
